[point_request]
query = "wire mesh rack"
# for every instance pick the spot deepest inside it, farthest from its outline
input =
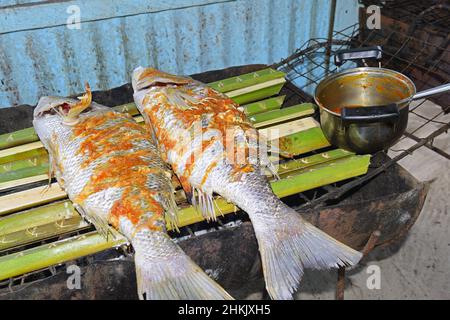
(422, 53)
(417, 47)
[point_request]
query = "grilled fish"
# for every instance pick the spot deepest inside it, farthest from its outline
(194, 127)
(111, 170)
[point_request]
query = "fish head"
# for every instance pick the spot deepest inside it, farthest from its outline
(66, 108)
(49, 106)
(58, 137)
(173, 88)
(56, 115)
(48, 116)
(145, 78)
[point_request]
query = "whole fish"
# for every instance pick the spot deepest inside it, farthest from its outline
(177, 109)
(111, 170)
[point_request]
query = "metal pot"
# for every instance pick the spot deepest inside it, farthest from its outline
(365, 109)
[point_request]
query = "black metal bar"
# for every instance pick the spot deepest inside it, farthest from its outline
(347, 187)
(399, 48)
(330, 35)
(428, 145)
(428, 120)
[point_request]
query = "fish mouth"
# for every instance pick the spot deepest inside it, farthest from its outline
(145, 78)
(67, 108)
(51, 105)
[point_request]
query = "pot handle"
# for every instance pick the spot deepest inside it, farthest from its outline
(341, 56)
(388, 113)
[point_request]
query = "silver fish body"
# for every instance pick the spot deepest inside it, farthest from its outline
(111, 170)
(176, 109)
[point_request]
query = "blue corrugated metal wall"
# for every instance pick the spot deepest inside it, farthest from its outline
(39, 55)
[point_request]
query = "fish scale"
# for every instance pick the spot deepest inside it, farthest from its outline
(111, 170)
(174, 106)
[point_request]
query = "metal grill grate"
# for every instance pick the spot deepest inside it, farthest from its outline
(423, 54)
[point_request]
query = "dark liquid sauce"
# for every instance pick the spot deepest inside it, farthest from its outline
(388, 89)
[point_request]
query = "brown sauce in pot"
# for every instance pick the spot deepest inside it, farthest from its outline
(375, 88)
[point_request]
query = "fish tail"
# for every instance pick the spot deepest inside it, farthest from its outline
(165, 272)
(288, 244)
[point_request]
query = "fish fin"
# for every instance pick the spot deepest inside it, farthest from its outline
(201, 200)
(51, 169)
(204, 203)
(165, 272)
(50, 174)
(180, 99)
(171, 209)
(100, 224)
(272, 169)
(291, 244)
(264, 149)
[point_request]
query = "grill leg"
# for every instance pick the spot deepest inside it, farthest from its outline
(340, 285)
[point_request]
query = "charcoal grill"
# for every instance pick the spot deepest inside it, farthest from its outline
(390, 197)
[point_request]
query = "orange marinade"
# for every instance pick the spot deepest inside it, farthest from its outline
(224, 116)
(106, 134)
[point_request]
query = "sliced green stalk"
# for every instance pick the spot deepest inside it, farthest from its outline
(39, 223)
(18, 137)
(297, 165)
(8, 185)
(26, 151)
(21, 200)
(263, 105)
(303, 141)
(246, 80)
(43, 232)
(24, 173)
(36, 217)
(276, 116)
(251, 96)
(321, 175)
(23, 164)
(56, 252)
